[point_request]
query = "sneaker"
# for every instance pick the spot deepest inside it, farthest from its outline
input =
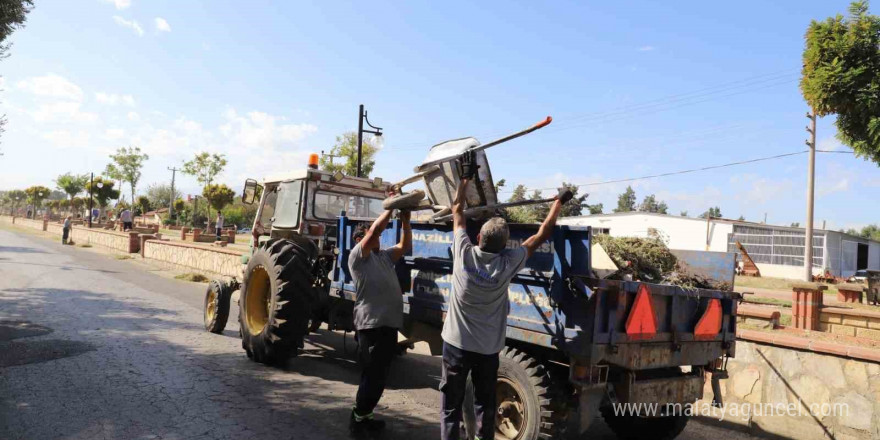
(366, 424)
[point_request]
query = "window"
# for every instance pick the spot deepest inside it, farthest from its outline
(776, 246)
(288, 207)
(328, 205)
(267, 212)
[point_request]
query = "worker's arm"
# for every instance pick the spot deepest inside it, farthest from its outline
(405, 244)
(371, 238)
(458, 205)
(546, 230)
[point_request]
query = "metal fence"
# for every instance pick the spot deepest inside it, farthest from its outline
(776, 245)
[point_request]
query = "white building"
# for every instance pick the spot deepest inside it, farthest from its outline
(777, 250)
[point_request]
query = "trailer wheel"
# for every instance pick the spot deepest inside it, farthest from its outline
(523, 400)
(631, 427)
(217, 298)
(408, 200)
(274, 302)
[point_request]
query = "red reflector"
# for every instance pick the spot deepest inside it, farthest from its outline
(710, 324)
(642, 322)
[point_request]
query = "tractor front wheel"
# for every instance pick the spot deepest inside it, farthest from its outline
(274, 303)
(217, 298)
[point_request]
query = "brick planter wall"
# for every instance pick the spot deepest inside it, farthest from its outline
(850, 322)
(806, 301)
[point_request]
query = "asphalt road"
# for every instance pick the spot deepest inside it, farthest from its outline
(92, 347)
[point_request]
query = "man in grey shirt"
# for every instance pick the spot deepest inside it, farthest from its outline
(476, 322)
(378, 314)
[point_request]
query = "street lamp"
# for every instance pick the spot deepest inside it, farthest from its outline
(362, 116)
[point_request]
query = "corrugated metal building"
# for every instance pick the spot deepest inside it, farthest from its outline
(777, 250)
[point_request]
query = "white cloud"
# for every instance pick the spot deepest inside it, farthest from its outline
(162, 25)
(133, 116)
(51, 85)
(62, 112)
(120, 4)
(258, 130)
(753, 189)
(131, 24)
(113, 99)
(68, 139)
(114, 133)
(646, 48)
(830, 144)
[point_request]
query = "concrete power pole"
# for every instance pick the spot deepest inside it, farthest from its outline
(171, 202)
(811, 174)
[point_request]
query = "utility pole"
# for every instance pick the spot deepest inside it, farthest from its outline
(171, 197)
(91, 185)
(331, 156)
(811, 174)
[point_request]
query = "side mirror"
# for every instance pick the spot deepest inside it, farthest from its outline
(252, 191)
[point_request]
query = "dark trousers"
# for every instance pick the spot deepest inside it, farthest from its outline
(126, 226)
(219, 230)
(483, 368)
(376, 348)
(65, 232)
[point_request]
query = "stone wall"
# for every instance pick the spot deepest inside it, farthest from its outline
(39, 225)
(183, 256)
(127, 242)
(845, 394)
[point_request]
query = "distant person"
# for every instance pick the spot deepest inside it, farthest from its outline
(65, 230)
(125, 218)
(378, 314)
(218, 224)
(476, 325)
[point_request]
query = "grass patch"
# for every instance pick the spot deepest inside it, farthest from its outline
(774, 284)
(123, 257)
(763, 300)
(785, 320)
(192, 277)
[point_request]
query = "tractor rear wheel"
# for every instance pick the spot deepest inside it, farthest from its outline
(274, 302)
(217, 298)
(524, 400)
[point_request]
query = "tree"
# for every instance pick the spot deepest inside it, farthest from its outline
(841, 75)
(519, 214)
(346, 150)
(683, 213)
(500, 184)
(12, 16)
(14, 198)
(795, 224)
(714, 212)
(128, 163)
(35, 196)
(102, 191)
(239, 214)
(626, 202)
(595, 209)
(77, 204)
(160, 195)
(540, 210)
(142, 205)
(650, 204)
(72, 184)
(113, 173)
(218, 196)
(573, 208)
(205, 167)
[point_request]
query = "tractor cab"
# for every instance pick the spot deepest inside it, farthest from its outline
(307, 204)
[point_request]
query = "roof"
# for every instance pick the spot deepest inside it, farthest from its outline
(703, 220)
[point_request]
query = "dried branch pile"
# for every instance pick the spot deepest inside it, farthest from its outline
(649, 260)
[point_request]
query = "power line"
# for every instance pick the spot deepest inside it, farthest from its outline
(692, 170)
(742, 86)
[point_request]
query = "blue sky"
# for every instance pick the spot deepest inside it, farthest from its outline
(635, 88)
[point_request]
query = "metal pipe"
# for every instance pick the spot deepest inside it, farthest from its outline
(360, 138)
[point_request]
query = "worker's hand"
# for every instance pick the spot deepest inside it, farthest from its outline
(565, 194)
(468, 163)
(404, 215)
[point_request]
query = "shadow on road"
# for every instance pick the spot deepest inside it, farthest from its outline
(181, 389)
(21, 250)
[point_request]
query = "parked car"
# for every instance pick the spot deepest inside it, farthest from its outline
(244, 231)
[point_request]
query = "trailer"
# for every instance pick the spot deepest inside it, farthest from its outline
(575, 345)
